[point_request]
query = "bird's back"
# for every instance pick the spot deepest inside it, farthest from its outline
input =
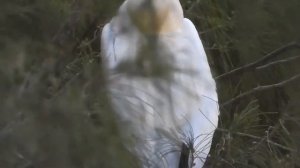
(162, 90)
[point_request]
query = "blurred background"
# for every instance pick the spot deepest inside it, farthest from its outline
(54, 111)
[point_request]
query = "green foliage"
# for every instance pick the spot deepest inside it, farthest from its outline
(254, 131)
(54, 111)
(54, 108)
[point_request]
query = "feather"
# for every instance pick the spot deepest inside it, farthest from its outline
(161, 87)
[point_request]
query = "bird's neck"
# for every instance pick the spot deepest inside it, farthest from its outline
(156, 16)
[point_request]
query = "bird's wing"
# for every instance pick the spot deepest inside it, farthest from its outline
(204, 120)
(192, 34)
(118, 41)
(108, 38)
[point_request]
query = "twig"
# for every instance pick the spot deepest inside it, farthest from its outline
(257, 138)
(260, 89)
(277, 62)
(258, 62)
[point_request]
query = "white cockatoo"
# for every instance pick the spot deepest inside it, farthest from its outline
(160, 84)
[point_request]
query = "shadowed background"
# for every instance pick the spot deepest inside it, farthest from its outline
(54, 112)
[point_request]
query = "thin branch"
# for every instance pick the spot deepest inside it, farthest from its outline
(257, 138)
(259, 62)
(278, 62)
(260, 89)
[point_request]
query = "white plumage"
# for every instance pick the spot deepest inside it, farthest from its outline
(160, 84)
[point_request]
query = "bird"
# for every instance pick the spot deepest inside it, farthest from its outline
(160, 84)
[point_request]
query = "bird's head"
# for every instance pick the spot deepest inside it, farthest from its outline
(155, 16)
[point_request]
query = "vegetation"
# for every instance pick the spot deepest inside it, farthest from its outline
(54, 112)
